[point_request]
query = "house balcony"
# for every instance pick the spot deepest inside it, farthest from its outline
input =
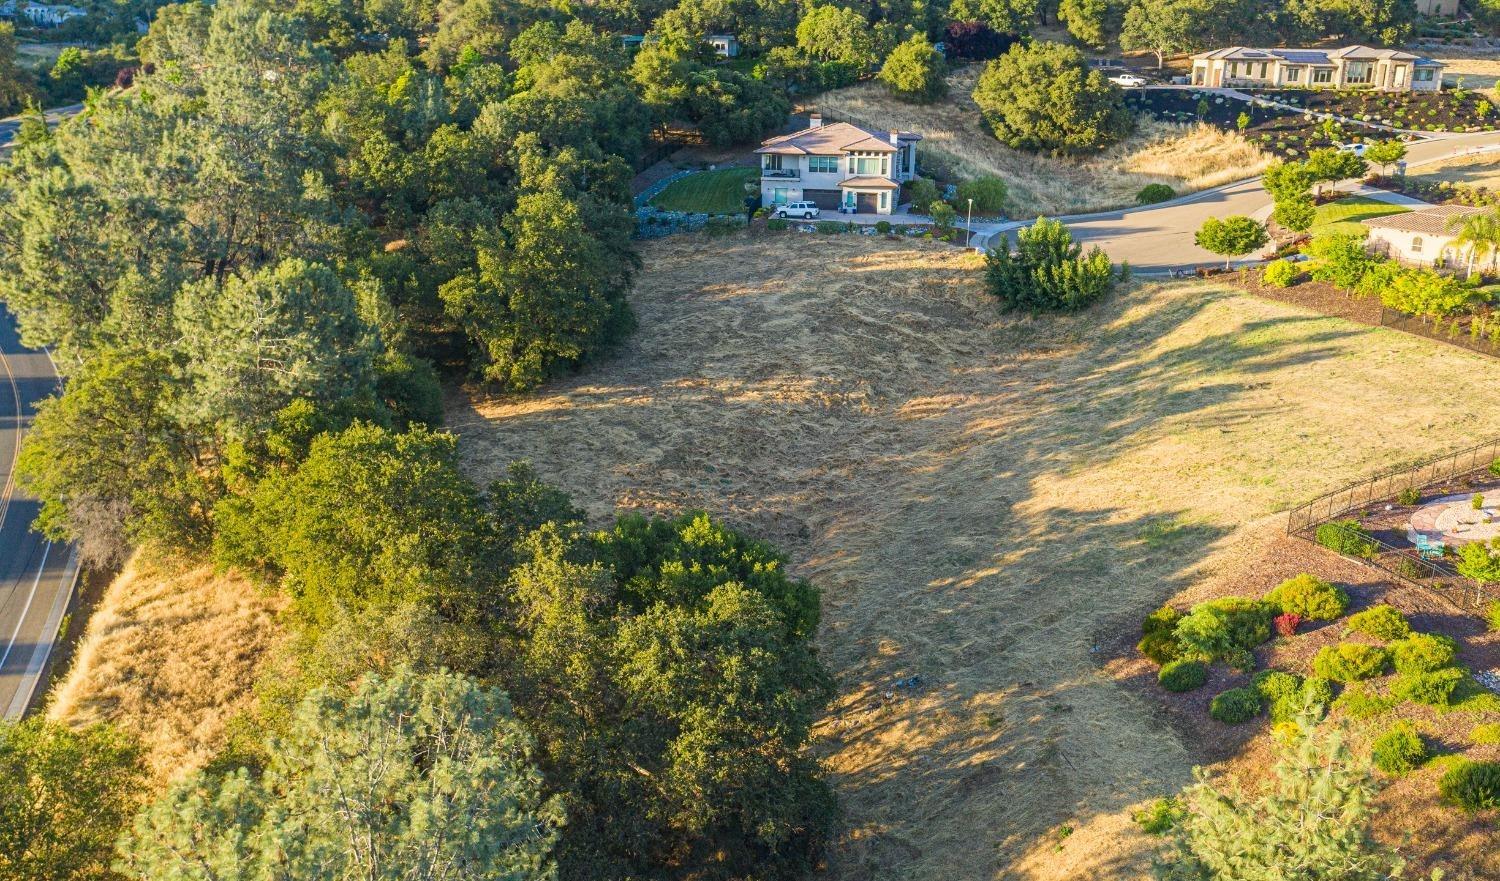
(780, 174)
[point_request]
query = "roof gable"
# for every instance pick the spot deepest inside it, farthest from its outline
(835, 137)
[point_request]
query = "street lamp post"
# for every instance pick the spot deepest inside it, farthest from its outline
(969, 224)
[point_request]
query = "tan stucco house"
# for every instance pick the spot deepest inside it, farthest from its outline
(1419, 238)
(837, 166)
(1352, 67)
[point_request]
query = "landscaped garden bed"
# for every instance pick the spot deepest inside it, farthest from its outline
(1438, 192)
(1396, 667)
(1281, 132)
(1451, 110)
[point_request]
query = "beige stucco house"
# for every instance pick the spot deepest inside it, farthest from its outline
(1352, 67)
(840, 167)
(1419, 238)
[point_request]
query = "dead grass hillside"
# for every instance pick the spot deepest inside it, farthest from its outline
(1186, 158)
(983, 501)
(170, 655)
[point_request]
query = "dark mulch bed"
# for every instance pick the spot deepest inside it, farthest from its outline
(1287, 133)
(1448, 110)
(1317, 296)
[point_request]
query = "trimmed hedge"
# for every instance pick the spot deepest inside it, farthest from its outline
(1235, 706)
(1399, 749)
(1350, 662)
(1309, 596)
(1182, 676)
(1473, 786)
(1380, 622)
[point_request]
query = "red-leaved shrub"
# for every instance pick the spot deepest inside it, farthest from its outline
(1287, 624)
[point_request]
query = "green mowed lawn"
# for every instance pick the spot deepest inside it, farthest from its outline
(1345, 214)
(709, 192)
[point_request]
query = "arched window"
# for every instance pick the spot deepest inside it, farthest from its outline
(1416, 244)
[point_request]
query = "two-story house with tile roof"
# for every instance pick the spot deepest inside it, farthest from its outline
(1352, 67)
(837, 166)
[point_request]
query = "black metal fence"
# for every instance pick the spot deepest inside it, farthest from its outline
(1406, 563)
(1442, 331)
(1306, 517)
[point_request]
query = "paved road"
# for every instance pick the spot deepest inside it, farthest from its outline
(1160, 237)
(12, 124)
(36, 576)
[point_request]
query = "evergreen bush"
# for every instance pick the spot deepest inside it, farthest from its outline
(1235, 706)
(1310, 597)
(1182, 676)
(1423, 653)
(1398, 749)
(1473, 786)
(1381, 622)
(1350, 662)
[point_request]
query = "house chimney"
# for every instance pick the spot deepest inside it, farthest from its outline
(815, 120)
(895, 138)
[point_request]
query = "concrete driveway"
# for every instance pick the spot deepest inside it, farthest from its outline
(1159, 238)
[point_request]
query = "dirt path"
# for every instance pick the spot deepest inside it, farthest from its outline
(983, 502)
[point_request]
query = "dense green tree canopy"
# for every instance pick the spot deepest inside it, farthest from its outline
(1045, 97)
(667, 667)
(64, 795)
(411, 777)
(914, 71)
(1233, 236)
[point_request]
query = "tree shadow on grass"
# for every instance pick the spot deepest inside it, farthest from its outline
(949, 480)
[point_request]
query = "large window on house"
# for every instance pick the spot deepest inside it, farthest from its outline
(1322, 75)
(1294, 74)
(1357, 73)
(1416, 244)
(1422, 75)
(823, 164)
(772, 162)
(866, 164)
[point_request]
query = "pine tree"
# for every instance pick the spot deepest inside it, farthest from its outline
(1312, 824)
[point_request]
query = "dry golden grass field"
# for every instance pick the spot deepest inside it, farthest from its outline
(1477, 71)
(170, 655)
(1476, 171)
(986, 502)
(1187, 158)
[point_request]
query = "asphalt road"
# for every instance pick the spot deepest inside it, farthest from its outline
(36, 576)
(1160, 237)
(12, 124)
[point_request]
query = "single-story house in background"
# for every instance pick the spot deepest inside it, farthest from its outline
(1386, 70)
(839, 167)
(1420, 238)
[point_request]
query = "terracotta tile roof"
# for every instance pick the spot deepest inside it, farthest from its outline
(835, 137)
(868, 182)
(1429, 221)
